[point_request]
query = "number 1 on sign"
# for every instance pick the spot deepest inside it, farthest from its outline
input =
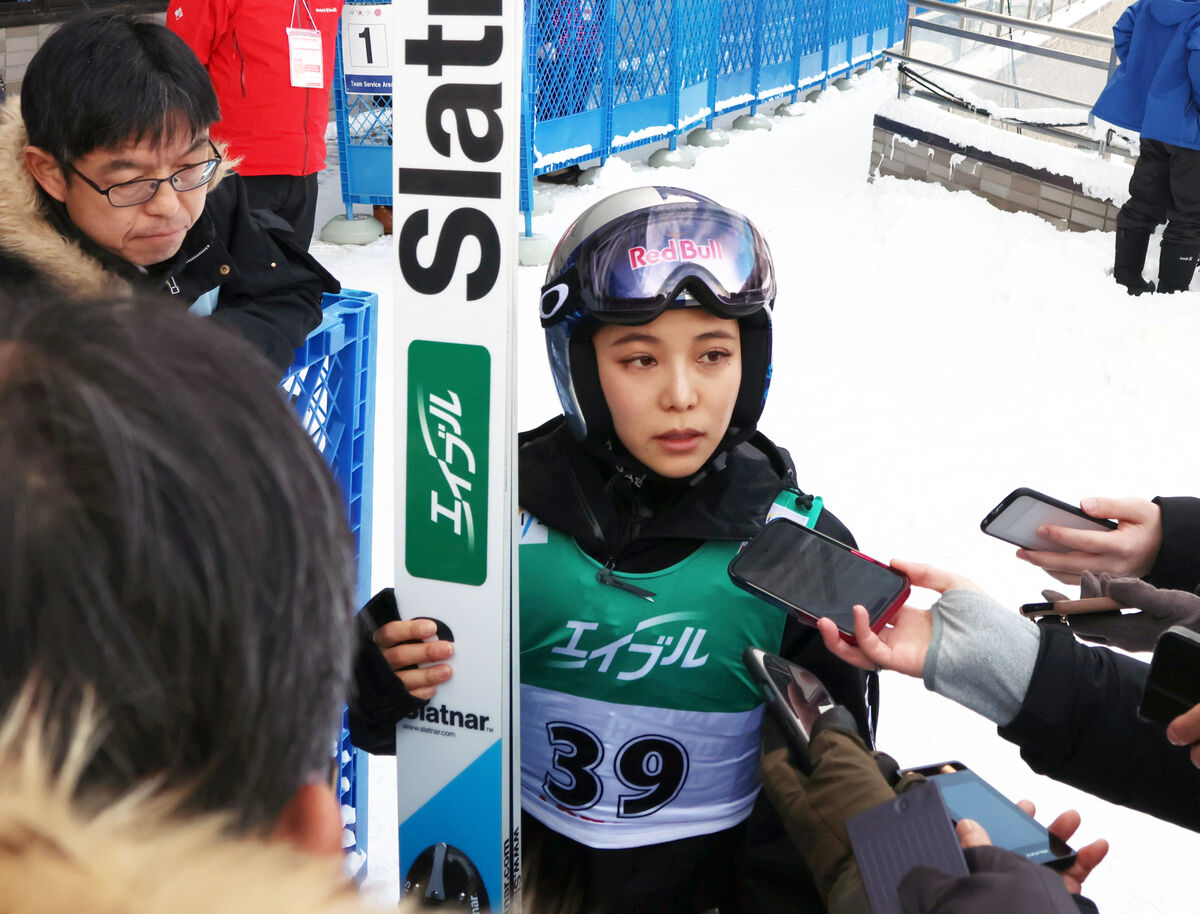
(370, 47)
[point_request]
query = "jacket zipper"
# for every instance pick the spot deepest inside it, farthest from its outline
(241, 61)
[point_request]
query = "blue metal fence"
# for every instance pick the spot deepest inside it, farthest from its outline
(607, 75)
(602, 76)
(331, 384)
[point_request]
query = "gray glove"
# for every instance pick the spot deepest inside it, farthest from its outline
(1160, 609)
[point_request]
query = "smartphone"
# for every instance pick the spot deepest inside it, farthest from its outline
(890, 839)
(1016, 519)
(968, 796)
(1173, 683)
(811, 576)
(1089, 606)
(794, 695)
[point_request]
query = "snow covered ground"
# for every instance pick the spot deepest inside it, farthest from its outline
(932, 354)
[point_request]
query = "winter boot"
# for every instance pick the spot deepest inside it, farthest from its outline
(1177, 263)
(1130, 259)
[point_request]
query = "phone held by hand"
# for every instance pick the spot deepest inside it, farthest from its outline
(968, 796)
(890, 839)
(794, 695)
(811, 576)
(1173, 683)
(1089, 606)
(1016, 519)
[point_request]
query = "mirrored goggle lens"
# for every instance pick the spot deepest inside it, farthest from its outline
(638, 268)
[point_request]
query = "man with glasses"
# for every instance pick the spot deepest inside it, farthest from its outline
(109, 181)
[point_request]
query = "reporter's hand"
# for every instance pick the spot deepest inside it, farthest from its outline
(405, 648)
(1184, 730)
(1087, 858)
(1128, 551)
(901, 645)
(1160, 609)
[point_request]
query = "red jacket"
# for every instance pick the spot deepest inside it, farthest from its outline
(275, 128)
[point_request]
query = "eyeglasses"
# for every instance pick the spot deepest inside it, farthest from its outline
(142, 190)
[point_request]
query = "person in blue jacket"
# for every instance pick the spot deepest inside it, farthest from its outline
(1155, 91)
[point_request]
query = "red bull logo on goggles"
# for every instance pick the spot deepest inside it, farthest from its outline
(676, 250)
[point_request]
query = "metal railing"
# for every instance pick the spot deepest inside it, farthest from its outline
(920, 20)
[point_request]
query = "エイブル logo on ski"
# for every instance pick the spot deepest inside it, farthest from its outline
(677, 249)
(447, 481)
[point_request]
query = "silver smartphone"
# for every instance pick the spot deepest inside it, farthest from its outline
(1016, 519)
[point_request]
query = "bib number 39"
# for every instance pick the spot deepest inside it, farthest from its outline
(653, 767)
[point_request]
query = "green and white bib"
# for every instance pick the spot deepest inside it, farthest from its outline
(639, 721)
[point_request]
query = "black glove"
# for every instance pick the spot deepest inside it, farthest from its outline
(1160, 609)
(378, 699)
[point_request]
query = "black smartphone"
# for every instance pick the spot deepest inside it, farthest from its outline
(890, 839)
(1016, 519)
(811, 576)
(794, 695)
(968, 796)
(1089, 606)
(1173, 683)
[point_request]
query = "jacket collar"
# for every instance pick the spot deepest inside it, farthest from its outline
(32, 231)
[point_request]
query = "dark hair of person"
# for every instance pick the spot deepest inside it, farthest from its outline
(173, 546)
(107, 80)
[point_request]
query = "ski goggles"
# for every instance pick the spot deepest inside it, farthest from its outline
(643, 261)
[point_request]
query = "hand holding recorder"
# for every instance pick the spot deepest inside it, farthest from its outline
(1137, 631)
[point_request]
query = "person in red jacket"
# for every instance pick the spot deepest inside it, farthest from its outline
(271, 62)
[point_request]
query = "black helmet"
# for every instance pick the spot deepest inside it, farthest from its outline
(631, 256)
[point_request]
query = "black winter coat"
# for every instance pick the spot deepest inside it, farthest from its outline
(1079, 725)
(1178, 563)
(636, 522)
(270, 291)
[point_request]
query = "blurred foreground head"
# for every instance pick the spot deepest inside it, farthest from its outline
(172, 544)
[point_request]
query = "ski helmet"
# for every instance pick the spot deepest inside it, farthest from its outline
(633, 255)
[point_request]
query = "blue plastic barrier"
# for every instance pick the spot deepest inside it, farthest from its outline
(364, 136)
(332, 385)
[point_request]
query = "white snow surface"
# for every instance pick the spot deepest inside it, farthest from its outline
(932, 353)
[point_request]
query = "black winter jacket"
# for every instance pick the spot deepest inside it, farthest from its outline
(270, 291)
(636, 522)
(1178, 563)
(1079, 725)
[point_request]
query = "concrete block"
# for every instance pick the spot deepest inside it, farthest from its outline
(1052, 210)
(1087, 220)
(940, 172)
(1027, 186)
(1087, 204)
(992, 189)
(941, 156)
(997, 176)
(1027, 202)
(17, 58)
(966, 180)
(21, 31)
(1057, 194)
(29, 43)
